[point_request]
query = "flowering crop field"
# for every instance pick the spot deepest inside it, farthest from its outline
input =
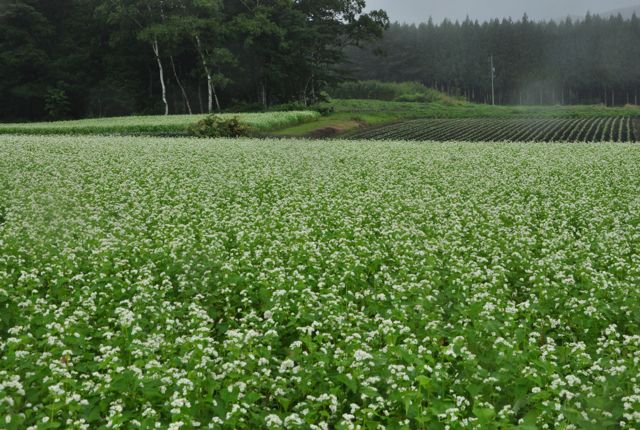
(246, 284)
(158, 124)
(543, 129)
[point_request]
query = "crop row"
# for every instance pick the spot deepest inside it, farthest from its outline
(622, 129)
(172, 124)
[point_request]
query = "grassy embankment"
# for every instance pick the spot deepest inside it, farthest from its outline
(351, 114)
(172, 125)
(347, 115)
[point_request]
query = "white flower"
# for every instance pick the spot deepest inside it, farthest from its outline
(125, 317)
(293, 420)
(361, 355)
(286, 364)
(273, 421)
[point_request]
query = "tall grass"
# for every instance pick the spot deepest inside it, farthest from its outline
(387, 91)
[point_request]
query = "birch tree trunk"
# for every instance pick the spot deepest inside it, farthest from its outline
(156, 51)
(263, 94)
(184, 93)
(304, 92)
(173, 66)
(211, 91)
(215, 97)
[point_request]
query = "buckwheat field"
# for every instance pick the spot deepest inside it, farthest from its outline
(246, 284)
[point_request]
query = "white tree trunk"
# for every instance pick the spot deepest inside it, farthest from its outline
(215, 96)
(263, 94)
(210, 87)
(156, 51)
(209, 93)
(184, 93)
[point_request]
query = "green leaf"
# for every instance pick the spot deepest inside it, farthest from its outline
(93, 413)
(351, 384)
(252, 397)
(424, 381)
(284, 403)
(484, 415)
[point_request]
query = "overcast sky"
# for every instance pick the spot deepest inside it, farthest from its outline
(421, 10)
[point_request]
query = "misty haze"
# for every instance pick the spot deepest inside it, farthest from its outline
(414, 11)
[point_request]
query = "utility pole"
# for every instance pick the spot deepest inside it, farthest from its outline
(493, 78)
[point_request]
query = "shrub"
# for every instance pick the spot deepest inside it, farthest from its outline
(215, 126)
(324, 109)
(324, 97)
(428, 96)
(288, 107)
(388, 91)
(320, 105)
(56, 103)
(242, 107)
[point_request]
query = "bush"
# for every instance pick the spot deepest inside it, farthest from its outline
(323, 97)
(56, 103)
(242, 107)
(215, 126)
(321, 106)
(324, 109)
(288, 107)
(429, 96)
(387, 91)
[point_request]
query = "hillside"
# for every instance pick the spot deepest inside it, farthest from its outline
(626, 12)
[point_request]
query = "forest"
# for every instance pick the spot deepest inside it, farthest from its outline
(63, 59)
(591, 61)
(94, 58)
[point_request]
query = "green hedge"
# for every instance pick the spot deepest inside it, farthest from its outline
(388, 91)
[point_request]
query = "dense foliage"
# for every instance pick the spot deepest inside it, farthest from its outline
(180, 284)
(602, 129)
(388, 91)
(216, 126)
(75, 58)
(595, 60)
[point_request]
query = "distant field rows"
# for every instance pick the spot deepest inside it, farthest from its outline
(621, 129)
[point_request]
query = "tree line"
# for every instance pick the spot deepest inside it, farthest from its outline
(76, 58)
(594, 60)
